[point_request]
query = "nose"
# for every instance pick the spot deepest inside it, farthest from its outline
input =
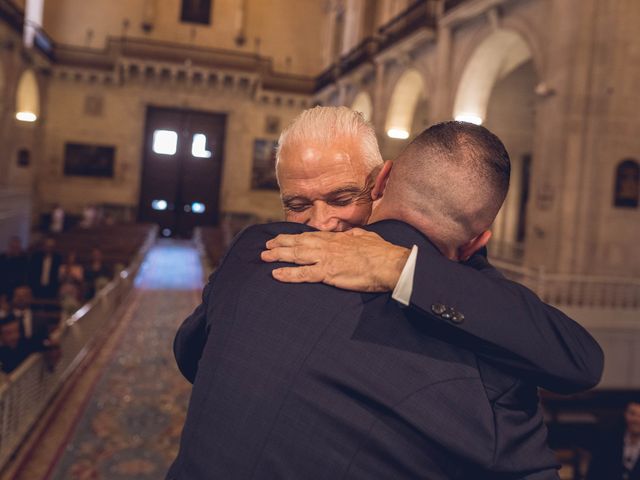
(322, 218)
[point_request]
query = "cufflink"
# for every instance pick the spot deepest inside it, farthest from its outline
(447, 313)
(438, 308)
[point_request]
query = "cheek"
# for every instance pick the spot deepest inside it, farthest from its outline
(355, 215)
(296, 217)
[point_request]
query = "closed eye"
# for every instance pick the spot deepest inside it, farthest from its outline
(341, 202)
(297, 207)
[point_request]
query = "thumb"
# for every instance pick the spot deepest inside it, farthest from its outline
(356, 232)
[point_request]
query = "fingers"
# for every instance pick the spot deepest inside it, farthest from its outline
(307, 239)
(307, 274)
(282, 240)
(298, 255)
(356, 232)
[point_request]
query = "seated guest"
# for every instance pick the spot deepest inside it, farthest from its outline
(44, 271)
(617, 453)
(71, 284)
(14, 265)
(57, 219)
(97, 274)
(33, 325)
(14, 348)
(89, 217)
(39, 329)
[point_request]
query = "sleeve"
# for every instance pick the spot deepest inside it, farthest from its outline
(506, 323)
(404, 287)
(191, 337)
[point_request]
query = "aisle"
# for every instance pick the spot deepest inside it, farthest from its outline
(129, 426)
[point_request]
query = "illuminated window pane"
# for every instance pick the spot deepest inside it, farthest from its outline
(159, 205)
(199, 146)
(165, 142)
(197, 207)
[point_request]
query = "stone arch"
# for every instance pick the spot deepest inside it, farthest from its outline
(407, 93)
(28, 97)
(362, 103)
(496, 88)
(500, 53)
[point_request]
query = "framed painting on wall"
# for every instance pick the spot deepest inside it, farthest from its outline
(263, 175)
(89, 160)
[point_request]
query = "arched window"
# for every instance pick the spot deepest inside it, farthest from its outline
(627, 186)
(28, 98)
(405, 98)
(494, 58)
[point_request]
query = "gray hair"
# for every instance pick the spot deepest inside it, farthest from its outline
(323, 125)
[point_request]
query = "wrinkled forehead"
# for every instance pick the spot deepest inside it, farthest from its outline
(307, 161)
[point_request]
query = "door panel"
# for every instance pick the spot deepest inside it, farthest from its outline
(182, 169)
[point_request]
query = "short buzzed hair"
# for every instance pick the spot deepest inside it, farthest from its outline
(324, 125)
(455, 174)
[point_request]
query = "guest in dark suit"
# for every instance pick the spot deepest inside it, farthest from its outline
(96, 274)
(13, 267)
(13, 348)
(44, 269)
(617, 453)
(34, 325)
(308, 381)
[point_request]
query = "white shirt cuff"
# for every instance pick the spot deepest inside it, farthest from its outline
(404, 287)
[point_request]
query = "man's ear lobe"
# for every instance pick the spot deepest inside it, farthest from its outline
(473, 245)
(381, 180)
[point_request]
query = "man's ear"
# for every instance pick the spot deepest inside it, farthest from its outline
(473, 245)
(381, 180)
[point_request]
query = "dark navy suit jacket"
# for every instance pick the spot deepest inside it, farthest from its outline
(309, 381)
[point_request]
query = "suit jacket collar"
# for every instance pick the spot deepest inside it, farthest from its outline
(401, 233)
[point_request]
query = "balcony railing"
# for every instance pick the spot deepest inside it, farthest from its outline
(421, 14)
(451, 4)
(14, 17)
(574, 290)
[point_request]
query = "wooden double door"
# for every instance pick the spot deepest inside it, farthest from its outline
(182, 169)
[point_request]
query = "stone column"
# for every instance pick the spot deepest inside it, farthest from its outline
(442, 93)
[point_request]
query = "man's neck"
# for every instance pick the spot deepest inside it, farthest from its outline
(383, 211)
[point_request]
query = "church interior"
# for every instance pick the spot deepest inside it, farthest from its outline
(138, 138)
